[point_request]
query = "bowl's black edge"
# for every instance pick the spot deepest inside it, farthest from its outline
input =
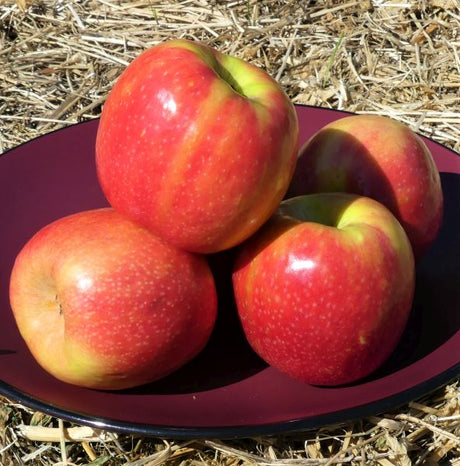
(241, 431)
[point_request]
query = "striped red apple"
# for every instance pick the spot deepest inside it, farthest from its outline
(103, 303)
(324, 289)
(196, 145)
(376, 156)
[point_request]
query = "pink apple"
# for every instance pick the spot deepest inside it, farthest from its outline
(324, 289)
(103, 303)
(378, 157)
(197, 146)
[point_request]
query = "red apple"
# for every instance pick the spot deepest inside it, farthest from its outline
(197, 146)
(325, 288)
(378, 157)
(103, 303)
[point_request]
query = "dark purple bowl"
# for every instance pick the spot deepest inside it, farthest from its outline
(227, 391)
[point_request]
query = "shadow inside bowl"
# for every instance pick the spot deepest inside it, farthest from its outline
(226, 359)
(435, 316)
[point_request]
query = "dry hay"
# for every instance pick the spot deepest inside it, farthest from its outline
(58, 61)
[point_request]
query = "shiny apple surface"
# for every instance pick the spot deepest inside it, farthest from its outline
(227, 391)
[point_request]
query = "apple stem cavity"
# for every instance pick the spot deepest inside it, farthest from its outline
(229, 78)
(314, 210)
(222, 70)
